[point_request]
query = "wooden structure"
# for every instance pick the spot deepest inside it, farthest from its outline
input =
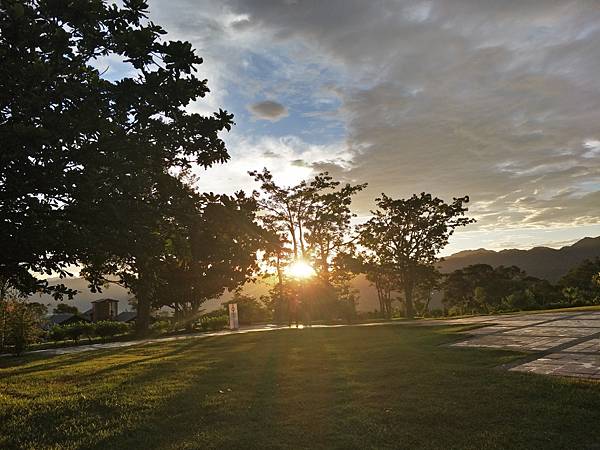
(105, 309)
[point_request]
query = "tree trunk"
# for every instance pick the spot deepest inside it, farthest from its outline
(382, 310)
(2, 325)
(144, 299)
(427, 303)
(301, 238)
(142, 321)
(388, 305)
(294, 241)
(279, 301)
(409, 310)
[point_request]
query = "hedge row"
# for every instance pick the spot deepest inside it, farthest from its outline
(102, 329)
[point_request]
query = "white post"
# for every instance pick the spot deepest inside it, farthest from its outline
(234, 323)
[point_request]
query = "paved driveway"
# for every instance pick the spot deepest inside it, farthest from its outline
(565, 343)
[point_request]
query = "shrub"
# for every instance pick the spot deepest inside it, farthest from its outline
(57, 333)
(436, 312)
(160, 327)
(110, 328)
(212, 323)
(456, 310)
(250, 310)
(23, 323)
(73, 331)
(347, 309)
(88, 330)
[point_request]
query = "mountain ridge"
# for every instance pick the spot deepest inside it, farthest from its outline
(542, 262)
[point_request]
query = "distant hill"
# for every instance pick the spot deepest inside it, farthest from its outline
(83, 299)
(542, 262)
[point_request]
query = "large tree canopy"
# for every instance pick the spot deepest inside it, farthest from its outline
(84, 155)
(313, 220)
(314, 216)
(407, 234)
(214, 250)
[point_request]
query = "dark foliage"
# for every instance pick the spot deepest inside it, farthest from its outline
(88, 164)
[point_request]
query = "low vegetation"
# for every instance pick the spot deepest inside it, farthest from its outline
(103, 329)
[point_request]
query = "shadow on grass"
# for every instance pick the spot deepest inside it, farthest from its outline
(28, 364)
(354, 387)
(203, 397)
(106, 395)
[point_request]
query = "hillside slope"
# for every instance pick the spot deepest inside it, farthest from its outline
(542, 262)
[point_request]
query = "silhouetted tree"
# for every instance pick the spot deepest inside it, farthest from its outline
(407, 234)
(379, 274)
(86, 158)
(428, 280)
(20, 321)
(213, 251)
(466, 290)
(313, 218)
(64, 308)
(315, 215)
(480, 288)
(583, 281)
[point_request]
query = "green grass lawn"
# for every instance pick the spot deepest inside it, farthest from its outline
(360, 387)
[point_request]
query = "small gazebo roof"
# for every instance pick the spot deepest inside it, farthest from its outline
(102, 300)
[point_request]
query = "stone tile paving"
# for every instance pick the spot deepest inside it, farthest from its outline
(568, 343)
(593, 345)
(564, 364)
(547, 331)
(489, 329)
(526, 343)
(575, 323)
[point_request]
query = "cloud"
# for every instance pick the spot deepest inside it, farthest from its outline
(268, 110)
(498, 100)
(289, 158)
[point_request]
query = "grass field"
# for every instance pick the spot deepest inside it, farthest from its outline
(359, 387)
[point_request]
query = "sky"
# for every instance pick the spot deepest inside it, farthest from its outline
(498, 100)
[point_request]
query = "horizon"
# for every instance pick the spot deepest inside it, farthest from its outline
(558, 246)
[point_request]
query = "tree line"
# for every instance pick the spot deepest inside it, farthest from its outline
(481, 288)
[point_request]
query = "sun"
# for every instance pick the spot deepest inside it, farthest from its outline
(300, 269)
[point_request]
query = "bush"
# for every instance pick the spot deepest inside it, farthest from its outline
(455, 311)
(73, 331)
(160, 327)
(110, 328)
(57, 333)
(212, 323)
(22, 322)
(347, 309)
(436, 312)
(88, 330)
(250, 310)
